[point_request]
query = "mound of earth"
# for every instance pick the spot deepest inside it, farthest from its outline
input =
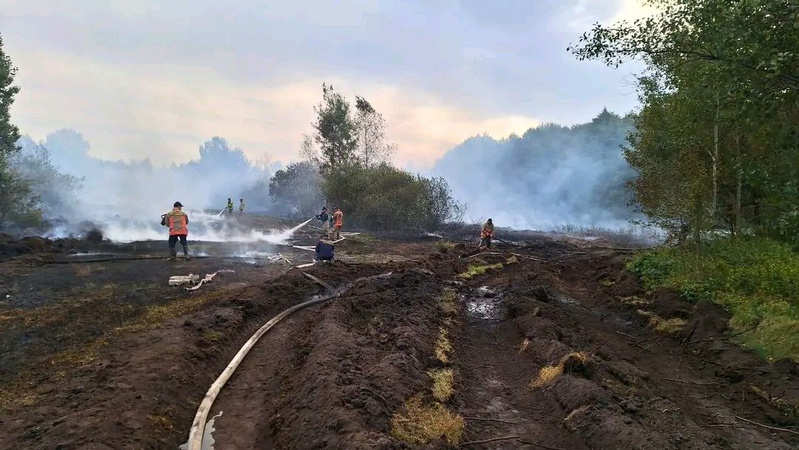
(541, 345)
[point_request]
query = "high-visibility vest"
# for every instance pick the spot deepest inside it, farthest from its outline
(488, 231)
(338, 219)
(177, 221)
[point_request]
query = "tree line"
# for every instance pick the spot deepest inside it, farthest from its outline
(716, 142)
(346, 163)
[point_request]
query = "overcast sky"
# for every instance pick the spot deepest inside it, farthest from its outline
(147, 78)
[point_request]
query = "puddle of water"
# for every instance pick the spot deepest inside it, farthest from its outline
(485, 305)
(208, 438)
(79, 254)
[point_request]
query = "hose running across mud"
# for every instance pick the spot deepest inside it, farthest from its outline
(112, 259)
(197, 431)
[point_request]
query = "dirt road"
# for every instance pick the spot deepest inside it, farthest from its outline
(548, 346)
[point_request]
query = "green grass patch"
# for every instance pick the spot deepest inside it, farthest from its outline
(756, 280)
(478, 269)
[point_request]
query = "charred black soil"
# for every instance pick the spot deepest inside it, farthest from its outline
(538, 345)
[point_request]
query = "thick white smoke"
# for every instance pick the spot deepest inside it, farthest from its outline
(125, 200)
(550, 178)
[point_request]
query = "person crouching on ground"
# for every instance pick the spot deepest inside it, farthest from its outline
(324, 250)
(338, 222)
(178, 223)
(486, 234)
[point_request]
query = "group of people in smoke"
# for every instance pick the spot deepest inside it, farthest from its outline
(178, 222)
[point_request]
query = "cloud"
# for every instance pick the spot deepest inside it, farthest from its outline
(146, 79)
(163, 113)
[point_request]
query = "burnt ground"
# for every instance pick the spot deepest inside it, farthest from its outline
(550, 344)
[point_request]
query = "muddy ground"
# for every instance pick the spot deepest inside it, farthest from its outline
(540, 343)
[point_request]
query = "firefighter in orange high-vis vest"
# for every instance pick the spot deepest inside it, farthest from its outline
(486, 234)
(178, 223)
(338, 222)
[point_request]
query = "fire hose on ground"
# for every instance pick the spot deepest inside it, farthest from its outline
(198, 426)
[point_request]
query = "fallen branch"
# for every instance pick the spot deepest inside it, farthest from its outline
(627, 335)
(785, 430)
(690, 382)
(318, 281)
(539, 445)
(528, 257)
(726, 338)
(691, 333)
(742, 332)
(369, 390)
(485, 441)
(485, 419)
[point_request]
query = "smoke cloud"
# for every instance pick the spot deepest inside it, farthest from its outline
(549, 178)
(125, 199)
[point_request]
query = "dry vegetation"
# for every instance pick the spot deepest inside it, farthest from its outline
(667, 326)
(419, 421)
(568, 363)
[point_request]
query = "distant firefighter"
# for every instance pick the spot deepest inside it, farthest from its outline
(178, 223)
(241, 207)
(486, 234)
(338, 222)
(229, 207)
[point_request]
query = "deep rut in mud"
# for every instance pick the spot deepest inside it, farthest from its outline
(544, 356)
(559, 370)
(550, 348)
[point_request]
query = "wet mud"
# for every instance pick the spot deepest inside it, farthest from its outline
(549, 349)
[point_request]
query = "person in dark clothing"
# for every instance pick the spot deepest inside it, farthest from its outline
(324, 217)
(324, 250)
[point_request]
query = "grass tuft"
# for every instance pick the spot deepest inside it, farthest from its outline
(420, 423)
(476, 270)
(445, 247)
(671, 326)
(443, 380)
(443, 345)
(634, 301)
(447, 302)
(573, 362)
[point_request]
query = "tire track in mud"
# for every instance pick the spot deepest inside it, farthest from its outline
(332, 376)
(596, 388)
(252, 394)
(494, 398)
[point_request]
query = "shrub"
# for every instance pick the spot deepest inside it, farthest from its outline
(756, 280)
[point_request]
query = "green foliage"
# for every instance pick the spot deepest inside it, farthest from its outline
(14, 192)
(336, 132)
(716, 143)
(756, 280)
(387, 198)
(355, 176)
(17, 201)
(372, 148)
(9, 133)
(296, 190)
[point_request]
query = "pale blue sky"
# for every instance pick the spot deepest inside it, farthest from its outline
(143, 78)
